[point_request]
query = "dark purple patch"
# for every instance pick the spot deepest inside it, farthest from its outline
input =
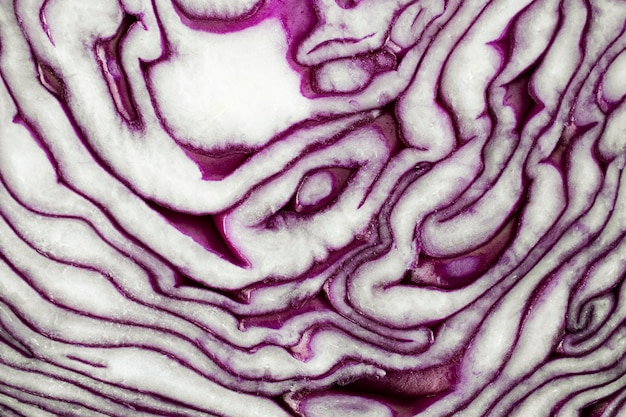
(108, 51)
(51, 80)
(216, 167)
(205, 230)
(277, 319)
(560, 153)
(504, 43)
(460, 271)
(520, 99)
(407, 393)
(347, 4)
(597, 408)
(410, 384)
(184, 281)
(297, 16)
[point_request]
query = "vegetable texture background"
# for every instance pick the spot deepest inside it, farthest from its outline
(312, 208)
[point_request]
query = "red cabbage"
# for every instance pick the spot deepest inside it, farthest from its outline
(312, 208)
